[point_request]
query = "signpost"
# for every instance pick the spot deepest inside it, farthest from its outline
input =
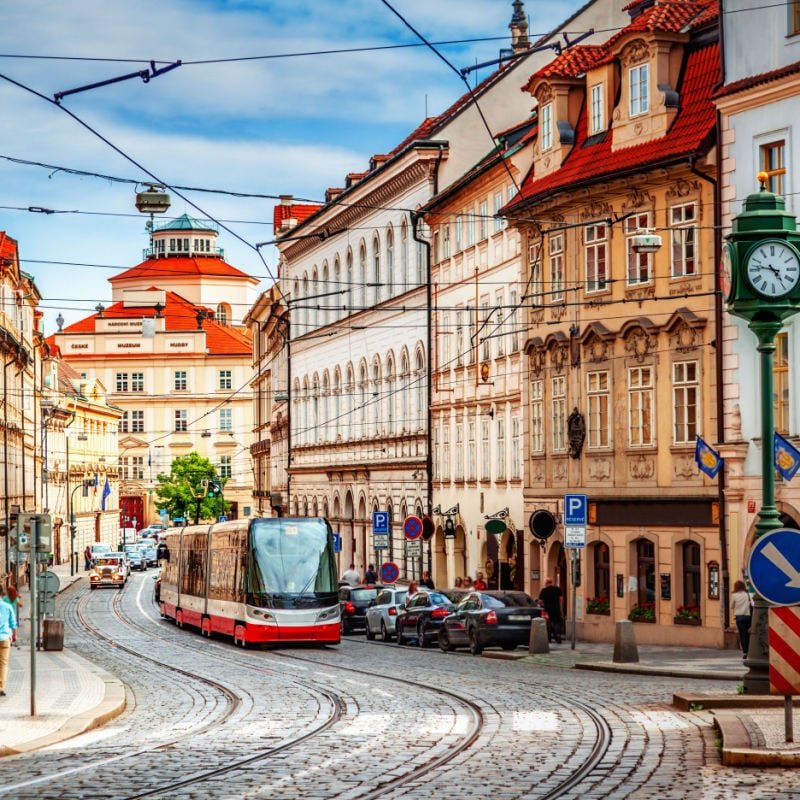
(380, 531)
(576, 508)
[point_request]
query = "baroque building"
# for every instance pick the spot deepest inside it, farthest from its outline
(623, 370)
(176, 359)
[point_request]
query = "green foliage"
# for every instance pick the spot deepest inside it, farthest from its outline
(696, 706)
(643, 613)
(177, 490)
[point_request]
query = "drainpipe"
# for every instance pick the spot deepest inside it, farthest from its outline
(718, 367)
(6, 365)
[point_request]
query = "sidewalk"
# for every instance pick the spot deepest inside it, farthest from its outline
(72, 694)
(751, 726)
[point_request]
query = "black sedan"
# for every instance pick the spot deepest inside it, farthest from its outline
(353, 604)
(422, 616)
(490, 619)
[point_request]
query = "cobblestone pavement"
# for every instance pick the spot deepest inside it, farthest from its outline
(369, 719)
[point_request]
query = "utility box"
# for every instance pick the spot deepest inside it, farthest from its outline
(52, 634)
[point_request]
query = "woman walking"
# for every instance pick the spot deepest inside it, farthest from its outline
(741, 605)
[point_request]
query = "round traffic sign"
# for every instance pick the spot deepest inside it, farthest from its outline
(542, 524)
(412, 528)
(49, 583)
(389, 572)
(774, 567)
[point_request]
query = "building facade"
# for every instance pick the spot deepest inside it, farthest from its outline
(759, 107)
(176, 359)
(622, 371)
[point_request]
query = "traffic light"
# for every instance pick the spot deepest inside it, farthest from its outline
(214, 488)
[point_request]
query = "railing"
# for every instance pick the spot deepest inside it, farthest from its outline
(150, 253)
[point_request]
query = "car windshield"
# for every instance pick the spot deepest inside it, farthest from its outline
(292, 564)
(361, 595)
(399, 597)
(106, 562)
(439, 599)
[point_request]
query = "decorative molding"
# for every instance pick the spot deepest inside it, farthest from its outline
(684, 339)
(558, 358)
(641, 293)
(640, 345)
(596, 350)
(558, 312)
(596, 209)
(537, 358)
(638, 199)
(683, 188)
(599, 469)
(684, 468)
(634, 52)
(560, 470)
(544, 93)
(641, 468)
(538, 472)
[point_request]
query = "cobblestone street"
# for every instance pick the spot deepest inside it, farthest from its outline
(368, 719)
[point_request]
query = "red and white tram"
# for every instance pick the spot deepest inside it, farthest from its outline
(267, 579)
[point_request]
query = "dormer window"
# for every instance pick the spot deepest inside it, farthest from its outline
(639, 78)
(546, 126)
(598, 112)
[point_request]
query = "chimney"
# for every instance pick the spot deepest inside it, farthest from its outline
(286, 199)
(519, 28)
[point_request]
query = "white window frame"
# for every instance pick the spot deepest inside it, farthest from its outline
(500, 446)
(546, 127)
(558, 412)
(181, 423)
(684, 240)
(446, 450)
(499, 329)
(486, 455)
(641, 406)
(596, 257)
(639, 88)
(513, 320)
(459, 451)
(535, 269)
(516, 450)
(226, 467)
(137, 382)
(635, 262)
(483, 220)
(226, 420)
(556, 249)
(685, 401)
(472, 453)
(597, 108)
(498, 204)
(598, 411)
(537, 416)
(180, 380)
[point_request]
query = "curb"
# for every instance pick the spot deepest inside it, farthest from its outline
(604, 666)
(111, 706)
(737, 749)
(683, 700)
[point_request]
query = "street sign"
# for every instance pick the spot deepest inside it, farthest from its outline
(774, 567)
(389, 572)
(380, 522)
(380, 541)
(412, 528)
(44, 532)
(496, 526)
(575, 509)
(542, 524)
(784, 651)
(179, 521)
(574, 536)
(414, 548)
(222, 518)
(337, 543)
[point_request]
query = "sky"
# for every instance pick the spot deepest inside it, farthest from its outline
(291, 124)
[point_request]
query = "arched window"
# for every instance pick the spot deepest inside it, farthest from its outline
(422, 402)
(601, 570)
(302, 434)
(296, 418)
(350, 400)
(351, 282)
(646, 572)
(405, 400)
(337, 404)
(313, 315)
(223, 314)
(376, 269)
(314, 433)
(404, 256)
(375, 400)
(324, 302)
(362, 274)
(325, 426)
(302, 312)
(389, 397)
(690, 553)
(362, 401)
(389, 261)
(337, 287)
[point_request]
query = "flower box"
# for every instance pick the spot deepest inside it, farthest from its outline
(687, 621)
(599, 613)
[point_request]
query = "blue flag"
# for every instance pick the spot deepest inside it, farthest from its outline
(787, 457)
(707, 458)
(106, 494)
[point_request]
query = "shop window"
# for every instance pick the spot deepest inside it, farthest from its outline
(646, 573)
(601, 567)
(690, 553)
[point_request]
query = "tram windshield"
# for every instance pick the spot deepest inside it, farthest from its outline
(292, 564)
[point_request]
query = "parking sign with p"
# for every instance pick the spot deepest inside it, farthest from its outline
(575, 509)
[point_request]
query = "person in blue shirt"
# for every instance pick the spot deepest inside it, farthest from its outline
(8, 623)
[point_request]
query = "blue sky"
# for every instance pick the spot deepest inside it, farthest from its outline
(272, 126)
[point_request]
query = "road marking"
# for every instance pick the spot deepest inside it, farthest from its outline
(141, 607)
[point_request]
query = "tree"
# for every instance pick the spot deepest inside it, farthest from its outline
(177, 493)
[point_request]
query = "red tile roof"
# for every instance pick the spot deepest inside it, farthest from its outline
(690, 134)
(751, 81)
(179, 266)
(571, 62)
(180, 315)
(299, 211)
(8, 246)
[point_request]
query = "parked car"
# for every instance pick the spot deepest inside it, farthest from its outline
(98, 548)
(108, 569)
(150, 555)
(422, 616)
(152, 531)
(136, 556)
(382, 612)
(353, 602)
(490, 619)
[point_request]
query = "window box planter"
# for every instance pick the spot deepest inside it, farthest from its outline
(597, 613)
(687, 620)
(598, 605)
(646, 613)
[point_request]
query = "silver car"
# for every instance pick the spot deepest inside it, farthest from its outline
(382, 612)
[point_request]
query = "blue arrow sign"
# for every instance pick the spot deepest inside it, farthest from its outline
(380, 522)
(774, 567)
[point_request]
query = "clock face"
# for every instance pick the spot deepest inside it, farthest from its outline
(726, 270)
(773, 268)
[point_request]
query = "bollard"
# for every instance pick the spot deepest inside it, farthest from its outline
(538, 642)
(625, 650)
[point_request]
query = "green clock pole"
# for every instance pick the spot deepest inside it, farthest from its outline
(763, 257)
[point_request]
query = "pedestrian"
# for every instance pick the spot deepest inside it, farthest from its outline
(370, 576)
(427, 581)
(8, 624)
(15, 601)
(87, 558)
(459, 583)
(351, 576)
(468, 582)
(413, 588)
(550, 598)
(162, 552)
(741, 606)
(480, 583)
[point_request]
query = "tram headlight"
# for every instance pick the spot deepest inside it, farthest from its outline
(328, 615)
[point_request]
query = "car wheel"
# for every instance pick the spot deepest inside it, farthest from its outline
(400, 638)
(444, 641)
(344, 628)
(421, 641)
(385, 635)
(474, 645)
(370, 635)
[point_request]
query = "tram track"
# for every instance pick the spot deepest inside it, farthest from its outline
(598, 751)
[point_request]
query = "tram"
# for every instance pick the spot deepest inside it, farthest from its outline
(262, 580)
